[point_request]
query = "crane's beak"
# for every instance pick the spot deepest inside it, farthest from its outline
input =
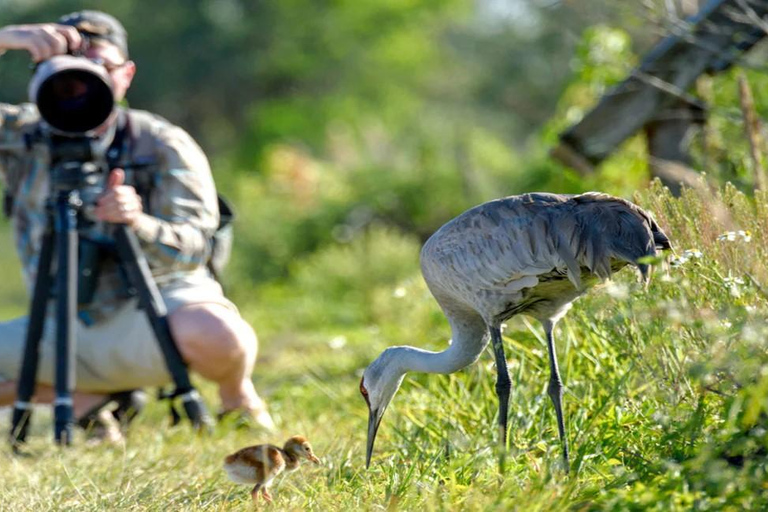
(374, 419)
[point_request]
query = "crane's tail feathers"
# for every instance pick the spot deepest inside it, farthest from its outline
(607, 233)
(573, 266)
(660, 238)
(645, 273)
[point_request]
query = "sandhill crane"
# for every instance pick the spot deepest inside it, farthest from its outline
(532, 254)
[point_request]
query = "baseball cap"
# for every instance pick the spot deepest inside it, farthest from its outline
(98, 25)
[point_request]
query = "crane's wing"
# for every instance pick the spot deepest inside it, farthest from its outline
(499, 244)
(505, 244)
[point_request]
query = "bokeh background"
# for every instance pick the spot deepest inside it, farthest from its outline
(327, 121)
(330, 121)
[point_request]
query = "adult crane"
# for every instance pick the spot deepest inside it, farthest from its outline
(532, 254)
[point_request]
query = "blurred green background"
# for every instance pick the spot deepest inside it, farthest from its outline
(346, 132)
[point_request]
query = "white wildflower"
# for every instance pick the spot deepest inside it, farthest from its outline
(733, 284)
(733, 236)
(399, 292)
(337, 342)
(693, 253)
(617, 290)
(684, 258)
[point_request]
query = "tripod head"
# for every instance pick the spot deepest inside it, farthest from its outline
(74, 170)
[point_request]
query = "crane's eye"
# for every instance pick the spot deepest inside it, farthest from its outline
(364, 392)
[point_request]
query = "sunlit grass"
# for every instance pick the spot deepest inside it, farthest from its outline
(13, 298)
(666, 399)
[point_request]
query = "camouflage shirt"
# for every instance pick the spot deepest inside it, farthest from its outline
(180, 201)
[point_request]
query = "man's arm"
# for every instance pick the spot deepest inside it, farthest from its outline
(176, 227)
(183, 211)
(42, 41)
(15, 121)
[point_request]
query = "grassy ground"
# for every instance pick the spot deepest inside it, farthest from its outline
(666, 400)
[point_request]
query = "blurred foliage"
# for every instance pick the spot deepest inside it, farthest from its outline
(325, 118)
(322, 119)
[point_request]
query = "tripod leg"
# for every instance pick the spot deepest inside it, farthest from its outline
(152, 302)
(66, 312)
(22, 408)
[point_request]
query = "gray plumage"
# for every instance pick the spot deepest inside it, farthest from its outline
(535, 253)
(532, 254)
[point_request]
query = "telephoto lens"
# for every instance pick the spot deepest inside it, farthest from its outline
(74, 95)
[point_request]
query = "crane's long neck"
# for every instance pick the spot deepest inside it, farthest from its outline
(469, 338)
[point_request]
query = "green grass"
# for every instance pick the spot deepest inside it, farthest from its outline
(667, 398)
(13, 296)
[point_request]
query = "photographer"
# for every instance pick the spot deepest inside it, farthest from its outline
(174, 213)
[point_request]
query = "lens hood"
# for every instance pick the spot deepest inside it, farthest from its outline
(73, 94)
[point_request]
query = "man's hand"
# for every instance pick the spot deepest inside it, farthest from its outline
(42, 41)
(119, 204)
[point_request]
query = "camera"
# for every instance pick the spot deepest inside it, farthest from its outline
(73, 94)
(75, 99)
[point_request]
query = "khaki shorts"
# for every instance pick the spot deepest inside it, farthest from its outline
(117, 354)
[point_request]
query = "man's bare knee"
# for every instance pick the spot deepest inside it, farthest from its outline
(210, 333)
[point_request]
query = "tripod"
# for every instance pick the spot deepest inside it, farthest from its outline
(60, 239)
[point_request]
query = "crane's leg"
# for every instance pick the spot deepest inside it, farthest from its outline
(503, 384)
(555, 389)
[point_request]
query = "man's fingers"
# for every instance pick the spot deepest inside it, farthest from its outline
(119, 211)
(115, 178)
(55, 40)
(35, 53)
(73, 37)
(42, 41)
(40, 49)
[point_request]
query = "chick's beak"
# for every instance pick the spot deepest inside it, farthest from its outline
(313, 458)
(374, 419)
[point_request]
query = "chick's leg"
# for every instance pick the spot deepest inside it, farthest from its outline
(255, 492)
(267, 496)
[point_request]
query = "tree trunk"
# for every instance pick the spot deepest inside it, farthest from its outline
(669, 137)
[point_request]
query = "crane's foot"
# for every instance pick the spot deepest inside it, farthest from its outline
(566, 460)
(502, 450)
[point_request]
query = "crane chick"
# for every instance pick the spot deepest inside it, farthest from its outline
(260, 464)
(532, 254)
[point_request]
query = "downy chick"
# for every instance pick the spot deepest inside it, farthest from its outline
(260, 464)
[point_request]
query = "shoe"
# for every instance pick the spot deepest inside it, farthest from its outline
(257, 418)
(107, 419)
(129, 404)
(102, 427)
